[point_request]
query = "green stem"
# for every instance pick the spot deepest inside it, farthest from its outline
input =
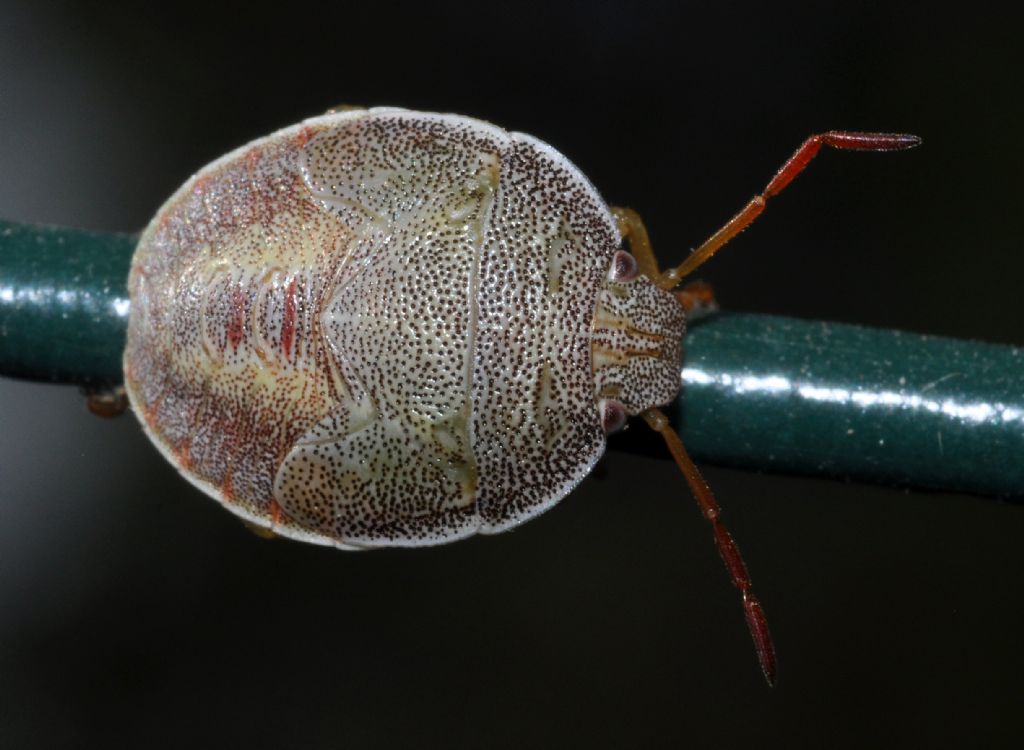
(63, 304)
(846, 401)
(759, 392)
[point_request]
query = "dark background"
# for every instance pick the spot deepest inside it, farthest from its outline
(134, 612)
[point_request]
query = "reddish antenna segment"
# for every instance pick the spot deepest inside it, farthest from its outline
(727, 547)
(787, 172)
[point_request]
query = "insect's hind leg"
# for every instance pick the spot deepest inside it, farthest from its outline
(106, 401)
(632, 229)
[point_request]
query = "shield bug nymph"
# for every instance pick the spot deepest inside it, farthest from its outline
(390, 328)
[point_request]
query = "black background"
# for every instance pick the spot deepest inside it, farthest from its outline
(134, 612)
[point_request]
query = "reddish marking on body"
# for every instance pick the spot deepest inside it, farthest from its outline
(227, 488)
(303, 136)
(200, 184)
(236, 324)
(275, 512)
(259, 203)
(185, 453)
(152, 409)
(288, 324)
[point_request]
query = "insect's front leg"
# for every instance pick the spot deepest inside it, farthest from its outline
(697, 298)
(632, 229)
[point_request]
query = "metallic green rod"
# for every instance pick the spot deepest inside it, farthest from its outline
(63, 304)
(760, 392)
(846, 401)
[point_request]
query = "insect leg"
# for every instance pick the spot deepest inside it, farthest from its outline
(631, 227)
(727, 548)
(787, 172)
(697, 298)
(106, 401)
(261, 531)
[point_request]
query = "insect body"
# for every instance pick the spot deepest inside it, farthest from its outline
(390, 328)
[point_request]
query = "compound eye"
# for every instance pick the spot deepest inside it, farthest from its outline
(613, 415)
(624, 267)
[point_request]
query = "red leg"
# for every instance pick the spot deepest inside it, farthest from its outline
(727, 548)
(107, 402)
(794, 166)
(697, 297)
